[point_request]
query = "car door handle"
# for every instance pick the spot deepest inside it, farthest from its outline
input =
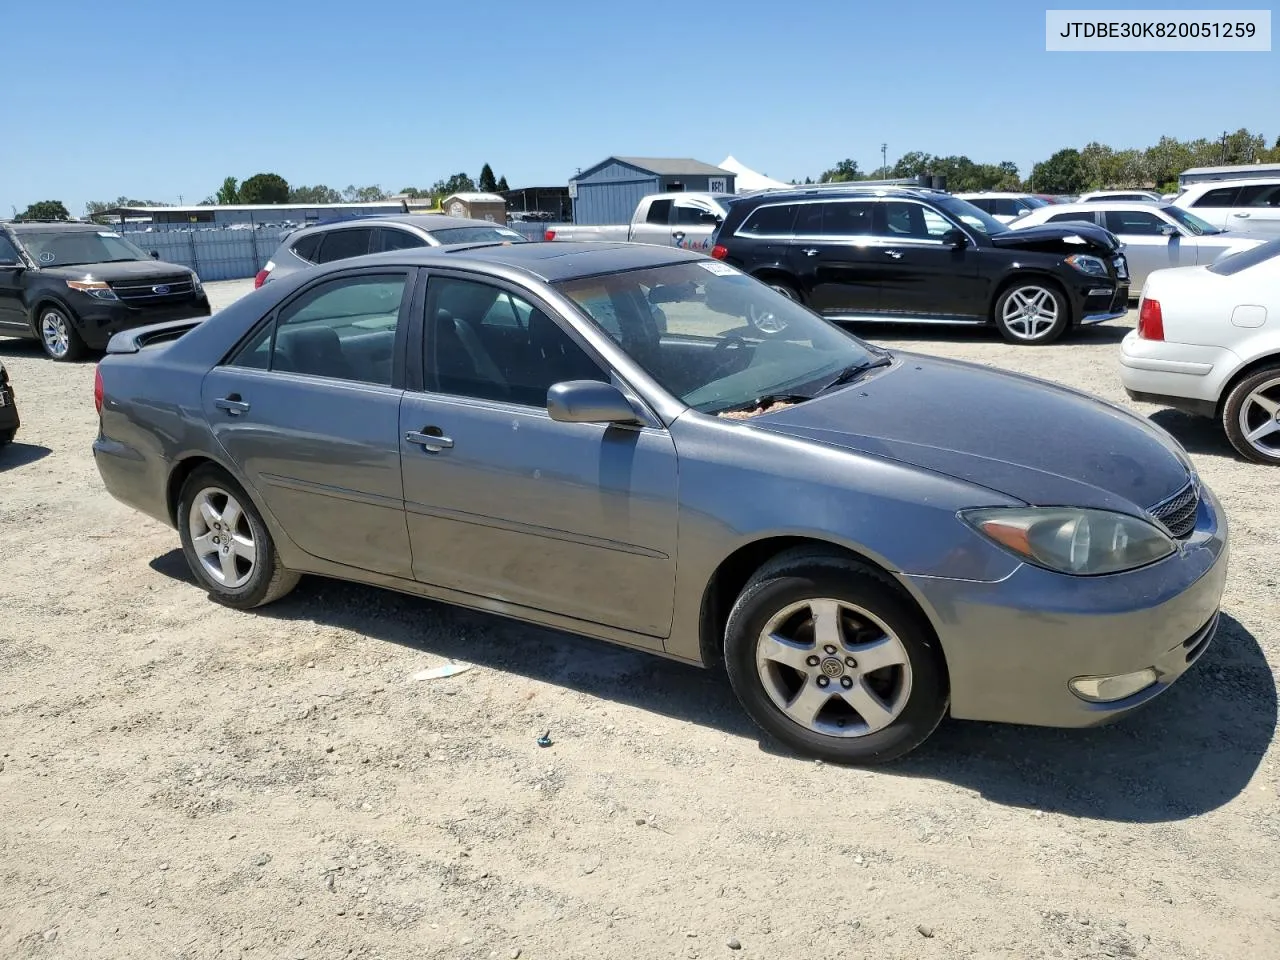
(1241, 215)
(232, 404)
(810, 252)
(896, 254)
(430, 439)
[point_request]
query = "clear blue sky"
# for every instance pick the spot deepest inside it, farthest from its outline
(154, 99)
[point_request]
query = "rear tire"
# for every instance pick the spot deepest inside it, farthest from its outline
(227, 544)
(58, 336)
(1252, 406)
(878, 696)
(1032, 312)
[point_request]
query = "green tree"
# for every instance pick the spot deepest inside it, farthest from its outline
(458, 183)
(413, 193)
(354, 194)
(843, 172)
(1062, 173)
(488, 182)
(229, 192)
(264, 188)
(502, 184)
(317, 194)
(45, 210)
(95, 209)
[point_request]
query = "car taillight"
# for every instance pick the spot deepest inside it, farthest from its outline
(260, 279)
(549, 235)
(97, 389)
(719, 251)
(1150, 320)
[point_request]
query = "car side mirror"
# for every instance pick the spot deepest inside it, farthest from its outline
(1168, 230)
(955, 239)
(589, 401)
(155, 254)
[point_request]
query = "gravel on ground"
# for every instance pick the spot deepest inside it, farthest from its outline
(178, 779)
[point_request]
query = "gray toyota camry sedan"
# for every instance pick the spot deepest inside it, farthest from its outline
(645, 446)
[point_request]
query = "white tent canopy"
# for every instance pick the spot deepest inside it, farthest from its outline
(747, 180)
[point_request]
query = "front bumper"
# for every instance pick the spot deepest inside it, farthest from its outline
(99, 320)
(1099, 300)
(1013, 647)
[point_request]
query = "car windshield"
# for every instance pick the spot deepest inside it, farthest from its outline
(1235, 262)
(1035, 202)
(970, 216)
(494, 234)
(1196, 226)
(61, 248)
(717, 339)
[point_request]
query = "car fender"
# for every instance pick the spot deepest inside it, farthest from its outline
(42, 298)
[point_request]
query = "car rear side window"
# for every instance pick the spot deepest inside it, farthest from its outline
(305, 248)
(393, 239)
(1216, 199)
(1132, 222)
(1075, 216)
(852, 219)
(774, 220)
(342, 244)
(659, 212)
(1260, 195)
(343, 329)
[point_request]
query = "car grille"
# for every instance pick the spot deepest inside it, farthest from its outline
(1198, 642)
(158, 290)
(1178, 513)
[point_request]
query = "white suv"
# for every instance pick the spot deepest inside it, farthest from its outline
(1247, 206)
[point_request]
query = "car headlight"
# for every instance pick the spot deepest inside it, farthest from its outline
(1073, 540)
(94, 288)
(196, 285)
(1091, 266)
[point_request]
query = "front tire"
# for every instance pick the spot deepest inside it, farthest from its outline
(6, 436)
(1251, 416)
(1032, 312)
(831, 658)
(58, 335)
(227, 544)
(786, 289)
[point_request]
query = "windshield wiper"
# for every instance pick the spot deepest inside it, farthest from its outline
(767, 400)
(852, 372)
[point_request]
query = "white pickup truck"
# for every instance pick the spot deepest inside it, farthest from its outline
(685, 220)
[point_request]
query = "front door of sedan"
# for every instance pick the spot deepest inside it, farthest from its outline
(1150, 243)
(504, 503)
(836, 257)
(308, 409)
(923, 276)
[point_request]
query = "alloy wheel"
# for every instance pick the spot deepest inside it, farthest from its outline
(55, 333)
(833, 668)
(222, 538)
(1030, 312)
(1260, 418)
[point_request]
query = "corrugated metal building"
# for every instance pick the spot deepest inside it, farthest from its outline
(609, 191)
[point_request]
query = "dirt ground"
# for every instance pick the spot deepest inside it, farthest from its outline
(180, 780)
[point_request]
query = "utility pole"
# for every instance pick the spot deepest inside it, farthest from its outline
(1224, 146)
(179, 199)
(884, 161)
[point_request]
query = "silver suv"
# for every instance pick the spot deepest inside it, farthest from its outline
(325, 243)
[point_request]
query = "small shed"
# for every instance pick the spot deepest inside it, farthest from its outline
(476, 206)
(610, 191)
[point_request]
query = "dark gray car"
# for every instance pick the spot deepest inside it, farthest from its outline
(329, 242)
(642, 445)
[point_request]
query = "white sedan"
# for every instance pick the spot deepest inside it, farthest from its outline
(1208, 342)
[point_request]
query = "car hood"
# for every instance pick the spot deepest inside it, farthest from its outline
(124, 270)
(1042, 444)
(1230, 238)
(1066, 238)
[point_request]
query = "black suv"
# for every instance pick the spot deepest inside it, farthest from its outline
(73, 285)
(917, 255)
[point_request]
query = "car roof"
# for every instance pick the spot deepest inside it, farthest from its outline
(844, 190)
(1105, 205)
(68, 226)
(1241, 182)
(993, 193)
(424, 221)
(550, 261)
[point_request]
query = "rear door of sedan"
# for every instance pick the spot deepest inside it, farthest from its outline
(504, 503)
(308, 407)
